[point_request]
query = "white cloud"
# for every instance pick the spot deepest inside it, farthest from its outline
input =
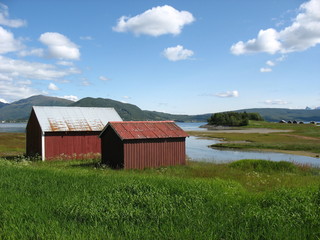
(59, 46)
(18, 69)
(71, 98)
(4, 18)
(270, 63)
(8, 43)
(86, 38)
(3, 100)
(155, 22)
(177, 53)
(126, 97)
(228, 94)
(5, 77)
(24, 82)
(38, 52)
(12, 91)
(85, 82)
(65, 63)
(303, 33)
(264, 70)
(53, 87)
(276, 102)
(104, 78)
(267, 41)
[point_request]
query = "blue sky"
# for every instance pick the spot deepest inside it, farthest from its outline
(185, 57)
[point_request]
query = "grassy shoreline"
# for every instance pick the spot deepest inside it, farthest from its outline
(302, 139)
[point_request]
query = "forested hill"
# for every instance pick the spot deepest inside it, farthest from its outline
(20, 110)
(130, 112)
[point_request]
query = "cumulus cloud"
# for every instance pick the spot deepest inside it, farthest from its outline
(12, 91)
(276, 102)
(264, 70)
(59, 46)
(6, 21)
(267, 41)
(8, 43)
(53, 87)
(104, 78)
(18, 69)
(38, 52)
(155, 22)
(177, 53)
(3, 100)
(71, 98)
(65, 63)
(303, 33)
(270, 63)
(228, 94)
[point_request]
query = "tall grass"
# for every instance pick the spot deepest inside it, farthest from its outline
(71, 200)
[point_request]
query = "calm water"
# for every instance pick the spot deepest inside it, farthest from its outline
(12, 127)
(198, 149)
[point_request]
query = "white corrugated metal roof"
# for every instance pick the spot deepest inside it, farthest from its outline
(53, 119)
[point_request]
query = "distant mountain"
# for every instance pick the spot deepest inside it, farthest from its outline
(20, 110)
(129, 112)
(2, 104)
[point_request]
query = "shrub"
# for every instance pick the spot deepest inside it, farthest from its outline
(233, 118)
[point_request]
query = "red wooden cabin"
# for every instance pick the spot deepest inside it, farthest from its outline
(66, 132)
(143, 144)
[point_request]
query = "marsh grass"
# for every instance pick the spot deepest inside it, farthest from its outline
(84, 200)
(12, 144)
(302, 138)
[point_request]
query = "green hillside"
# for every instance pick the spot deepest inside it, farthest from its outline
(125, 110)
(20, 110)
(2, 104)
(130, 112)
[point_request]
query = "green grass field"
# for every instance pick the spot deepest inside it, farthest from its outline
(247, 199)
(80, 200)
(12, 144)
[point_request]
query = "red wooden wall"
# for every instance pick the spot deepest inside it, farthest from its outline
(68, 145)
(140, 154)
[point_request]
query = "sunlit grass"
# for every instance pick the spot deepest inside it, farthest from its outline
(84, 200)
(12, 144)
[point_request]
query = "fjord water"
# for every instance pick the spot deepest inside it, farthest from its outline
(198, 150)
(13, 127)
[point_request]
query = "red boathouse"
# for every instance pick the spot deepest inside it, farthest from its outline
(143, 144)
(66, 132)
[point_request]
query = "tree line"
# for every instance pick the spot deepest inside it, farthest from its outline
(233, 118)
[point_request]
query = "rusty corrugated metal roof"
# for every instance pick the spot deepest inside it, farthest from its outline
(147, 129)
(54, 119)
